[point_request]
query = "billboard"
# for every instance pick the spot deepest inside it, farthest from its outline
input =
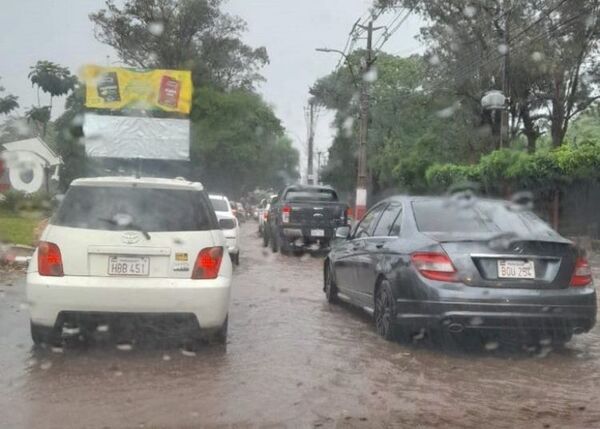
(118, 88)
(134, 137)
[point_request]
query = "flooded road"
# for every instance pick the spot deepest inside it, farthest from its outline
(292, 360)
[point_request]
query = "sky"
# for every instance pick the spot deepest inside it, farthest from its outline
(291, 30)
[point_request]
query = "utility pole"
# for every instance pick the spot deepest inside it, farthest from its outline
(362, 176)
(504, 131)
(310, 123)
(319, 153)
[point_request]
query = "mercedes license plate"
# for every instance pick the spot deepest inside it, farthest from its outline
(515, 269)
(128, 266)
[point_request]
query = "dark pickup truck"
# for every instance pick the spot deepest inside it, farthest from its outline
(304, 215)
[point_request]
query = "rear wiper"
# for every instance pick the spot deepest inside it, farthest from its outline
(130, 226)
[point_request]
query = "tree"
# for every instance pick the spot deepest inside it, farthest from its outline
(410, 127)
(551, 49)
(238, 143)
(51, 79)
(181, 34)
(8, 102)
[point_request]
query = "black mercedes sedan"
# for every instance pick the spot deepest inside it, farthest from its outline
(448, 265)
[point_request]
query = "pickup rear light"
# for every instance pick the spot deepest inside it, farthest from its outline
(285, 214)
(265, 215)
(435, 266)
(208, 263)
(49, 260)
(582, 274)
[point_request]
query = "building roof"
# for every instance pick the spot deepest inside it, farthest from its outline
(37, 146)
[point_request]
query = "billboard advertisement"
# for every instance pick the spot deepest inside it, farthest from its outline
(118, 88)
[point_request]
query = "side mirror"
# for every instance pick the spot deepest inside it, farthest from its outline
(342, 232)
(227, 223)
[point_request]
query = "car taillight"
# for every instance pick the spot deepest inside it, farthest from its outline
(434, 266)
(582, 274)
(49, 260)
(208, 263)
(265, 215)
(285, 214)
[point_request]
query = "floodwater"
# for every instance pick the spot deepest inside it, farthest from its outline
(291, 361)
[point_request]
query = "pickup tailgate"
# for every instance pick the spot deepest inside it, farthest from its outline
(317, 214)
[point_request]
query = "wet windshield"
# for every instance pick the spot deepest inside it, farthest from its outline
(484, 217)
(219, 205)
(121, 208)
(404, 229)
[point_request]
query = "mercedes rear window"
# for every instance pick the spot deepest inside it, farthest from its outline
(446, 216)
(126, 208)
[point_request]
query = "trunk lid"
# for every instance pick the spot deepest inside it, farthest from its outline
(88, 252)
(524, 264)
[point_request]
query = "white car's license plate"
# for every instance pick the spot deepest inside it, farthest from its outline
(317, 233)
(128, 265)
(515, 269)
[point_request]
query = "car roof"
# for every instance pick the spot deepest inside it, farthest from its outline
(142, 182)
(302, 187)
(415, 198)
(217, 197)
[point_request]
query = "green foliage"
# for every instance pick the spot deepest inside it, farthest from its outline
(52, 78)
(18, 202)
(16, 229)
(181, 34)
(506, 170)
(238, 143)
(8, 103)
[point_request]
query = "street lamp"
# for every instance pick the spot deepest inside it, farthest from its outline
(346, 59)
(495, 100)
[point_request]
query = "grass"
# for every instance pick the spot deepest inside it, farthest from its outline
(17, 229)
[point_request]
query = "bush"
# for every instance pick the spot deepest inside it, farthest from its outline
(15, 202)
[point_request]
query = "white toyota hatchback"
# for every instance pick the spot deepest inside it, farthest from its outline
(121, 246)
(229, 224)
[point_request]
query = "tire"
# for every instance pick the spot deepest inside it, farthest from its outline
(220, 337)
(274, 239)
(236, 258)
(265, 237)
(331, 292)
(43, 336)
(385, 311)
(284, 246)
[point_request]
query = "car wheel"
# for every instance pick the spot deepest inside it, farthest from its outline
(331, 291)
(385, 311)
(265, 237)
(274, 242)
(236, 258)
(284, 246)
(44, 336)
(220, 337)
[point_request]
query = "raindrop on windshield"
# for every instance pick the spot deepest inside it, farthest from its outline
(470, 11)
(503, 48)
(537, 56)
(371, 75)
(156, 28)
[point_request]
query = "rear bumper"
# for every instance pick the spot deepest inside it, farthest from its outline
(573, 314)
(306, 232)
(207, 300)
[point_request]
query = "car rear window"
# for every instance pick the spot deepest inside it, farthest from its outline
(227, 223)
(493, 217)
(219, 204)
(125, 208)
(311, 195)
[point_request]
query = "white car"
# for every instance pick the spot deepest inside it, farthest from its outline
(229, 224)
(263, 212)
(123, 247)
